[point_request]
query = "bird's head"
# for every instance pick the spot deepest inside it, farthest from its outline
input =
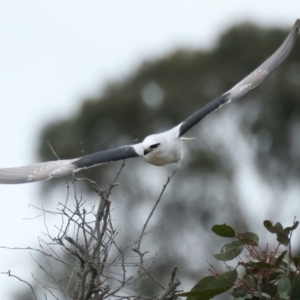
(161, 149)
(151, 143)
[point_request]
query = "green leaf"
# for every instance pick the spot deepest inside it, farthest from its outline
(287, 230)
(269, 226)
(229, 268)
(249, 281)
(210, 286)
(223, 230)
(288, 263)
(239, 292)
(280, 259)
(266, 295)
(269, 289)
(282, 234)
(295, 291)
(282, 237)
(230, 251)
(275, 275)
(248, 238)
(284, 286)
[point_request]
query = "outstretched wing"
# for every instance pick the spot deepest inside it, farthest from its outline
(60, 168)
(248, 83)
(37, 172)
(106, 156)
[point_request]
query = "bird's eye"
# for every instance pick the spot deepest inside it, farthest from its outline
(154, 146)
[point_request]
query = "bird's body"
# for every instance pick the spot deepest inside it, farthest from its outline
(157, 149)
(168, 150)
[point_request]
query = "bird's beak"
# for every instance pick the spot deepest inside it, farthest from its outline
(146, 151)
(185, 139)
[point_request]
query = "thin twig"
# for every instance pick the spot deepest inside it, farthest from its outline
(30, 286)
(141, 269)
(154, 207)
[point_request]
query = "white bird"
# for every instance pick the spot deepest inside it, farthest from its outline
(157, 149)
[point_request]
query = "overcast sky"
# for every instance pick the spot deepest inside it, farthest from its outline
(56, 53)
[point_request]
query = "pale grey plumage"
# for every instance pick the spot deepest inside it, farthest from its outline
(37, 172)
(267, 67)
(157, 149)
(245, 85)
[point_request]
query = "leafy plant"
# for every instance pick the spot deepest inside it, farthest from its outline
(263, 274)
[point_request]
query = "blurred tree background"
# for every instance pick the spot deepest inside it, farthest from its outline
(243, 167)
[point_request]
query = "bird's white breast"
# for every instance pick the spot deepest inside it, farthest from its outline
(169, 151)
(163, 158)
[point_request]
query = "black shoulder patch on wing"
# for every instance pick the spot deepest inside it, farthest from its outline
(197, 116)
(106, 156)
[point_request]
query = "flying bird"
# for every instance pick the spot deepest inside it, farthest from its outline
(157, 149)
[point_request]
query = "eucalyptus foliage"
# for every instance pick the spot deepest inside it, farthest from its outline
(257, 274)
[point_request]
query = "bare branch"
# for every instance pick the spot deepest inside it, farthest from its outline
(85, 245)
(170, 289)
(30, 286)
